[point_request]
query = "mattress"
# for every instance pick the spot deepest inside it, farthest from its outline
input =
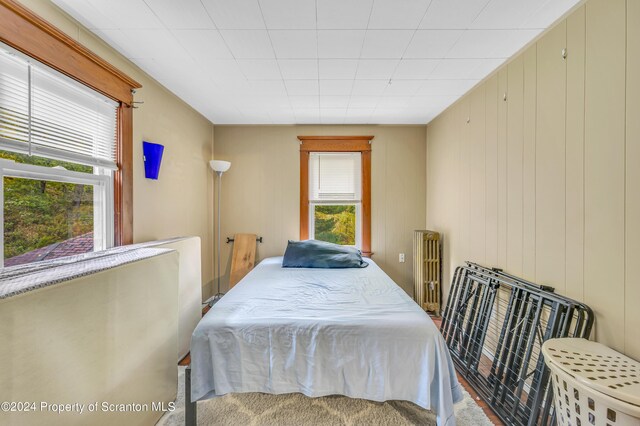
(351, 332)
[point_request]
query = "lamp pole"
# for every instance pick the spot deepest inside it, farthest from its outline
(218, 295)
(219, 167)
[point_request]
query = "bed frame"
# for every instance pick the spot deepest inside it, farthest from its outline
(190, 407)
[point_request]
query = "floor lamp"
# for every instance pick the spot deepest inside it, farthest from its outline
(219, 167)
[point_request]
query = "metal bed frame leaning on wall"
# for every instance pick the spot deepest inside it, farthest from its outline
(494, 325)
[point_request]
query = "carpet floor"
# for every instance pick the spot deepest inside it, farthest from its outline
(257, 409)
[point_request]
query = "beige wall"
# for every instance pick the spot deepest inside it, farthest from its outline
(260, 193)
(178, 203)
(546, 184)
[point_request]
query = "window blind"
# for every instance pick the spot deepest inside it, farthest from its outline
(47, 114)
(335, 176)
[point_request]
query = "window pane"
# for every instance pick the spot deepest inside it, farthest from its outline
(46, 220)
(46, 162)
(335, 224)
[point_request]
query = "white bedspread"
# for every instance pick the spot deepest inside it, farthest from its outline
(322, 332)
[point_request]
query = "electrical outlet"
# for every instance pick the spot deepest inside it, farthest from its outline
(401, 258)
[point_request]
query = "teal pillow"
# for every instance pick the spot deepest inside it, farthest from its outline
(319, 254)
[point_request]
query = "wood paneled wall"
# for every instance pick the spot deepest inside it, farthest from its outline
(546, 184)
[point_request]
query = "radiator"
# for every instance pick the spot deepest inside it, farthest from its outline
(426, 270)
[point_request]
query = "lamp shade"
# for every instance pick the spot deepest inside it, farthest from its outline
(219, 165)
(152, 156)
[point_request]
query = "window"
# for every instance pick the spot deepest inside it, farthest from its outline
(335, 190)
(57, 157)
(335, 197)
(38, 39)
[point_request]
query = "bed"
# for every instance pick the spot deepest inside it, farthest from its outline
(320, 332)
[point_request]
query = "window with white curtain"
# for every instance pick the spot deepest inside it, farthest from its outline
(57, 154)
(335, 197)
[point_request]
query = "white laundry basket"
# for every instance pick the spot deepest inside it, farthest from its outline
(592, 384)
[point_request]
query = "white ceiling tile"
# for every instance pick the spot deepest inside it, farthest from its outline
(281, 107)
(307, 115)
(376, 69)
(333, 111)
(414, 69)
(256, 117)
(183, 14)
(332, 115)
(280, 103)
(363, 102)
(423, 103)
(385, 43)
(127, 14)
(248, 44)
(394, 14)
(357, 120)
(431, 103)
(282, 117)
(332, 120)
(364, 63)
(302, 87)
(505, 14)
(236, 88)
(304, 101)
(299, 69)
(203, 45)
(369, 87)
(455, 68)
(116, 39)
(339, 44)
(267, 88)
(398, 116)
(289, 14)
(338, 69)
(467, 69)
(343, 14)
(224, 114)
(402, 88)
(486, 67)
(490, 43)
(86, 14)
(334, 101)
(394, 102)
(335, 87)
(432, 43)
(445, 87)
(224, 70)
(236, 14)
(545, 16)
(145, 43)
(260, 69)
(294, 44)
(179, 75)
(452, 14)
(359, 112)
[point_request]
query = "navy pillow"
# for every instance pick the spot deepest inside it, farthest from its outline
(319, 254)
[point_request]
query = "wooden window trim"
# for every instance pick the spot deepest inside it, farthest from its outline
(361, 144)
(28, 33)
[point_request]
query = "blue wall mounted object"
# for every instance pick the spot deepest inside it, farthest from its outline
(152, 156)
